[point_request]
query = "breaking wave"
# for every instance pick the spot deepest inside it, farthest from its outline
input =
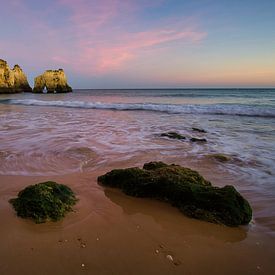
(215, 109)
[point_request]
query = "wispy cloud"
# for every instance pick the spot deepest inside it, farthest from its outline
(95, 37)
(102, 45)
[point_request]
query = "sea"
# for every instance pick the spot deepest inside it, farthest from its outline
(87, 130)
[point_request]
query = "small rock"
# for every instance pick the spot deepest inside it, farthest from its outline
(198, 139)
(198, 130)
(97, 239)
(157, 251)
(172, 135)
(220, 157)
(82, 265)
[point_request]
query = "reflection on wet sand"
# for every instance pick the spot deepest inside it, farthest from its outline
(170, 219)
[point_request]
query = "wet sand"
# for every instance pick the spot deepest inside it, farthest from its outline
(111, 233)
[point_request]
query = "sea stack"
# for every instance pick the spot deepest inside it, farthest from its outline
(54, 81)
(12, 80)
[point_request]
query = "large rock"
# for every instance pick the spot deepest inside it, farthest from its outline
(12, 81)
(54, 81)
(183, 188)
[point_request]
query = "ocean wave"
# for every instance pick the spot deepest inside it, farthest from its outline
(214, 109)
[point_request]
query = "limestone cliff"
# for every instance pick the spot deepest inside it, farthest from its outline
(12, 81)
(53, 81)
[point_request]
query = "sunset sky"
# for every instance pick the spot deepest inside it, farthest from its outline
(142, 43)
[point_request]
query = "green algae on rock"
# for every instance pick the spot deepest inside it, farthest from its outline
(172, 135)
(183, 188)
(220, 157)
(44, 201)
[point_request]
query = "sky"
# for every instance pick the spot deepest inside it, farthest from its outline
(143, 43)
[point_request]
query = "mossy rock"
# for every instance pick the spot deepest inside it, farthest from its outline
(220, 157)
(183, 188)
(46, 201)
(172, 135)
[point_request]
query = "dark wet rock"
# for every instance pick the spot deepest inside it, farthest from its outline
(198, 130)
(183, 188)
(44, 201)
(220, 157)
(193, 139)
(172, 135)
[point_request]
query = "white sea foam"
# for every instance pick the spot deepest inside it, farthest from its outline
(215, 109)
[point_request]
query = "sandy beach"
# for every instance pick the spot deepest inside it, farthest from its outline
(137, 137)
(111, 233)
(72, 140)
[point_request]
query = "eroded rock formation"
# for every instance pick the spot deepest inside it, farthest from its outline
(54, 81)
(12, 80)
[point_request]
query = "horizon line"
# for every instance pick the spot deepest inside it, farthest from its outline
(183, 88)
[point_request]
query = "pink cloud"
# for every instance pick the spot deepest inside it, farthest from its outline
(103, 46)
(93, 39)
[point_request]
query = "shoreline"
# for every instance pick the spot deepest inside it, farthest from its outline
(111, 233)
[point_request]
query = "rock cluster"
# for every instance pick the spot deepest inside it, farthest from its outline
(54, 81)
(12, 80)
(175, 135)
(15, 81)
(184, 188)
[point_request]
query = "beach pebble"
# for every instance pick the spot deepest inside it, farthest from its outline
(170, 258)
(157, 251)
(82, 265)
(97, 239)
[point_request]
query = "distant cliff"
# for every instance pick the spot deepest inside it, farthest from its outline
(12, 80)
(54, 81)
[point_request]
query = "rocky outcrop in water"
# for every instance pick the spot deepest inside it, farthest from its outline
(54, 81)
(12, 80)
(172, 135)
